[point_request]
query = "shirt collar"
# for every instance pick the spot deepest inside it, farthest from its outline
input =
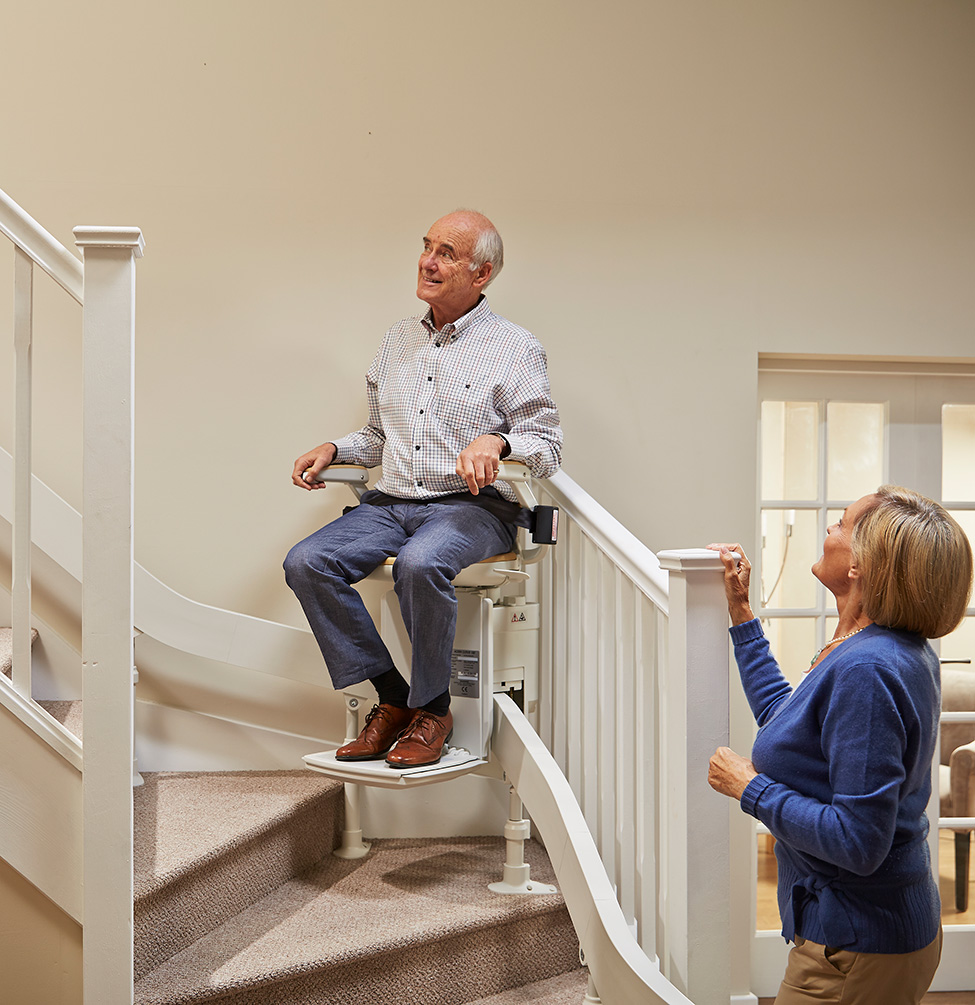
(452, 329)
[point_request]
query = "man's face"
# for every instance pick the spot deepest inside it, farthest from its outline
(445, 280)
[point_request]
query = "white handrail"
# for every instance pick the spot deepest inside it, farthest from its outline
(52, 256)
(625, 549)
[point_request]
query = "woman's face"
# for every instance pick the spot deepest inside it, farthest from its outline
(834, 565)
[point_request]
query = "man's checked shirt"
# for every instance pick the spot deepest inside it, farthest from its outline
(431, 394)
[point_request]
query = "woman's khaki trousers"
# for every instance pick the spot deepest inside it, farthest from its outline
(819, 974)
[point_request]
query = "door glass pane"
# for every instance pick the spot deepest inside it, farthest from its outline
(790, 449)
(960, 644)
(958, 453)
(793, 642)
(790, 545)
(767, 904)
(966, 519)
(855, 450)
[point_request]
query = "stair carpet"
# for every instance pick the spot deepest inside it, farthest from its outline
(68, 713)
(239, 901)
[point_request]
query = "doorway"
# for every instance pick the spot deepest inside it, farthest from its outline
(830, 432)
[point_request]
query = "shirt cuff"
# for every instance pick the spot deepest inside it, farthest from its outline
(517, 447)
(753, 792)
(343, 451)
(506, 446)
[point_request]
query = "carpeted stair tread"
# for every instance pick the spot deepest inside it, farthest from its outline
(413, 921)
(565, 989)
(183, 819)
(7, 649)
(209, 844)
(68, 713)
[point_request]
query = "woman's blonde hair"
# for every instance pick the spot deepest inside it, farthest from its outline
(914, 563)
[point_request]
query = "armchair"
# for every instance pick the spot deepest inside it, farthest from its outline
(957, 768)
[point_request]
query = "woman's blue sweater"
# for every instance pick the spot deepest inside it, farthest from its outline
(845, 776)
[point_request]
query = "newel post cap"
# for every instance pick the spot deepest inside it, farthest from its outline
(690, 560)
(110, 237)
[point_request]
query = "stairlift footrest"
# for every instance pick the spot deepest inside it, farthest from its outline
(455, 762)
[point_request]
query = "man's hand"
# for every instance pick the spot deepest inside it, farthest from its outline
(478, 463)
(308, 465)
(729, 773)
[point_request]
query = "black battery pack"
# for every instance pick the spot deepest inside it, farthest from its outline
(544, 524)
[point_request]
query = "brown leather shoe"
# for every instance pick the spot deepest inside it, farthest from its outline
(422, 741)
(383, 724)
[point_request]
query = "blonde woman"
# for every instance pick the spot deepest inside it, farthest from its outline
(840, 770)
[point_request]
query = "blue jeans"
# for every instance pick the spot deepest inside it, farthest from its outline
(432, 542)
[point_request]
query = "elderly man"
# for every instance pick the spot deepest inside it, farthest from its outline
(450, 394)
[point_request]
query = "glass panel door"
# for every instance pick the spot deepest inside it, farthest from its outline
(826, 439)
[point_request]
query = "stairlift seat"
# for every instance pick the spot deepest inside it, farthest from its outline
(473, 674)
(489, 572)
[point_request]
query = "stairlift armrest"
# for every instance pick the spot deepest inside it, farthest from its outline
(519, 477)
(354, 475)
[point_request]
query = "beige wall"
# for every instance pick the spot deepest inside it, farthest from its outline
(681, 185)
(40, 946)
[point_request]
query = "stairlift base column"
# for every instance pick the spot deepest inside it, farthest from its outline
(352, 845)
(517, 873)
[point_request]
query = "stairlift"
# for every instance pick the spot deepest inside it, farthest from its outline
(495, 645)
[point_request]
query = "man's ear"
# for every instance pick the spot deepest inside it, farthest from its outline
(483, 274)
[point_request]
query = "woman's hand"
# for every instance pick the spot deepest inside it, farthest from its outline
(729, 773)
(737, 572)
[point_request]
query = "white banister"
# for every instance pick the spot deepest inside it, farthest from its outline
(21, 539)
(698, 899)
(634, 667)
(107, 608)
(28, 235)
(626, 550)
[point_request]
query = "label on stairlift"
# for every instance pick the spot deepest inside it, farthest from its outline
(465, 673)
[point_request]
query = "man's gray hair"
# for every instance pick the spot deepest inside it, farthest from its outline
(488, 248)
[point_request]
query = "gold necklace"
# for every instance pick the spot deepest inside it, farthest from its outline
(832, 642)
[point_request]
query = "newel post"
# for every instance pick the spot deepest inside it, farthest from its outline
(107, 607)
(696, 707)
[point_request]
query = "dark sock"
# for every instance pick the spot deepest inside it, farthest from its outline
(392, 689)
(440, 705)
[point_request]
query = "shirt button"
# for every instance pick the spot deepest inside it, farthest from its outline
(419, 485)
(418, 448)
(421, 411)
(429, 378)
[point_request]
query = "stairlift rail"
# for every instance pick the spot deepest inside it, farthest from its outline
(620, 970)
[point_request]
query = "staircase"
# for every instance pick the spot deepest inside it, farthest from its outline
(239, 900)
(236, 904)
(413, 921)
